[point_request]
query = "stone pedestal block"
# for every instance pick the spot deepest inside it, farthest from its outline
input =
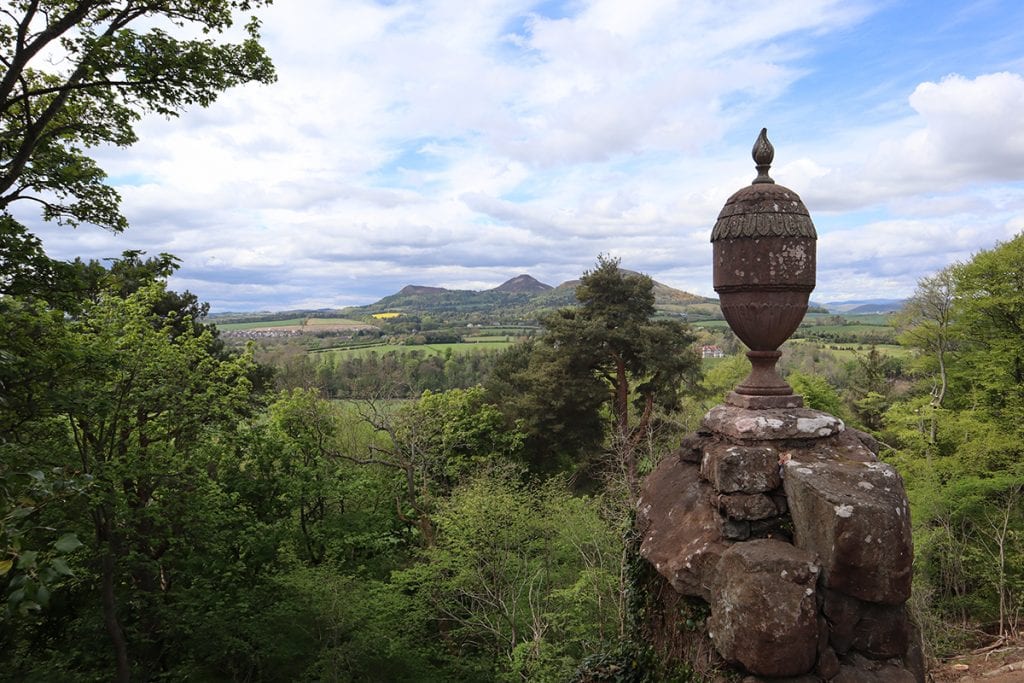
(857, 669)
(878, 631)
(747, 506)
(764, 612)
(741, 469)
(680, 527)
(771, 425)
(854, 516)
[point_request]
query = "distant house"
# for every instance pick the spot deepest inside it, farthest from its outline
(711, 351)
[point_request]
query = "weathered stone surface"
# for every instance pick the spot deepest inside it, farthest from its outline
(680, 526)
(781, 504)
(883, 631)
(772, 424)
(857, 669)
(855, 517)
(764, 612)
(828, 664)
(736, 530)
(868, 441)
(913, 660)
(691, 448)
(741, 469)
(750, 506)
(878, 631)
(846, 445)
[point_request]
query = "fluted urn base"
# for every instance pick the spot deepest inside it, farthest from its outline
(764, 387)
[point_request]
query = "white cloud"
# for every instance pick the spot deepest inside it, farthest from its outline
(441, 142)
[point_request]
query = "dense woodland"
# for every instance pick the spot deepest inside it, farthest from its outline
(176, 508)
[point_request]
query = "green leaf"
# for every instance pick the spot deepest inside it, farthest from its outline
(61, 566)
(37, 475)
(27, 559)
(67, 543)
(29, 606)
(5, 566)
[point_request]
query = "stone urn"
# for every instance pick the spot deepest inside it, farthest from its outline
(764, 272)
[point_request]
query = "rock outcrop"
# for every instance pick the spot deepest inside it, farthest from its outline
(786, 524)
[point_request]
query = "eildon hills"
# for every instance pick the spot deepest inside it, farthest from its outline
(522, 296)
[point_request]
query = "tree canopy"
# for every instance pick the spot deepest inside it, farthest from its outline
(79, 74)
(608, 352)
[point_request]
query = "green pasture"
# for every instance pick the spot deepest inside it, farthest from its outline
(343, 322)
(711, 324)
(881, 319)
(310, 323)
(488, 338)
(255, 325)
(854, 328)
(427, 349)
(849, 351)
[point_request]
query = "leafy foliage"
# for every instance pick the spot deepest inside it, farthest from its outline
(958, 437)
(116, 64)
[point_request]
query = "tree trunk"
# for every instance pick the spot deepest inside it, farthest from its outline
(104, 534)
(622, 426)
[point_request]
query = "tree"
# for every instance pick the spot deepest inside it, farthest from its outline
(128, 397)
(117, 62)
(926, 324)
(524, 576)
(554, 399)
(926, 320)
(963, 471)
(990, 321)
(611, 336)
(817, 392)
(137, 416)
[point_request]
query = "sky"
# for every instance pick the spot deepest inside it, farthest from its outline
(458, 144)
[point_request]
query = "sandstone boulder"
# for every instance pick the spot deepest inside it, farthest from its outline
(764, 612)
(877, 631)
(748, 506)
(741, 469)
(854, 516)
(680, 526)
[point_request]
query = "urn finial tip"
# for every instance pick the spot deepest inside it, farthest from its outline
(763, 153)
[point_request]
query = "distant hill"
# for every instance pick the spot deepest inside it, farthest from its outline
(521, 298)
(521, 284)
(865, 306)
(415, 290)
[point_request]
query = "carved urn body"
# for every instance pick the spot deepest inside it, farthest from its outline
(764, 272)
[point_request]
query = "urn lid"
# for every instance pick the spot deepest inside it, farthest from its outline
(763, 208)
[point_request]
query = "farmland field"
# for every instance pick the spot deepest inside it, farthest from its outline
(258, 325)
(428, 349)
(846, 352)
(311, 325)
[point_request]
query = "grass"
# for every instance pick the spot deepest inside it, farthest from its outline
(257, 325)
(310, 324)
(485, 338)
(428, 349)
(335, 322)
(849, 351)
